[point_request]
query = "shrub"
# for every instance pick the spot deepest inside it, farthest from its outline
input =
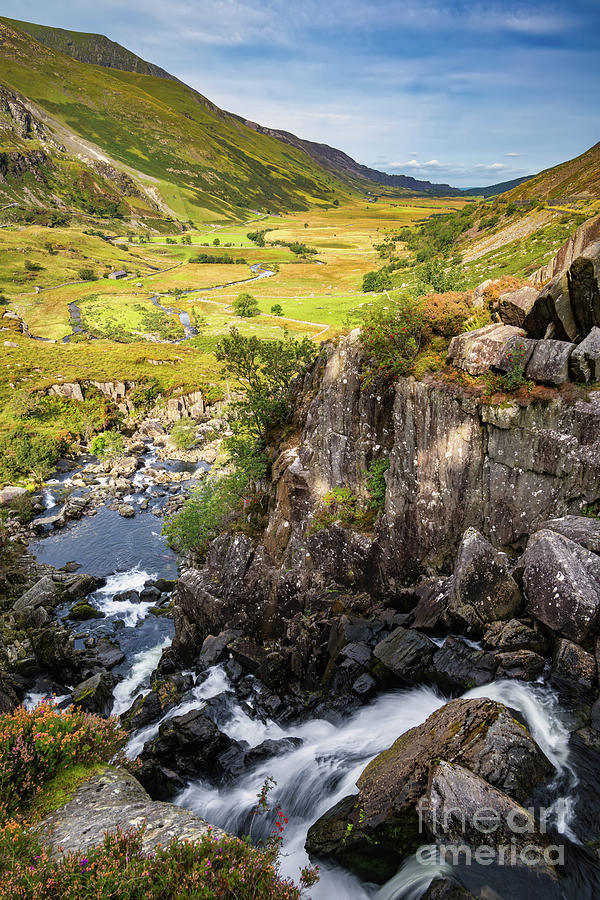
(23, 451)
(376, 281)
(36, 744)
(246, 306)
(207, 869)
(87, 274)
(392, 336)
(183, 435)
(205, 513)
(107, 443)
(33, 266)
(376, 482)
(277, 309)
(343, 506)
(447, 313)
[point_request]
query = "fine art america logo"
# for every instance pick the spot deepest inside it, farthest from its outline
(484, 836)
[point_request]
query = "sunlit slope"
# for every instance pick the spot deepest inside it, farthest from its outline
(579, 177)
(196, 155)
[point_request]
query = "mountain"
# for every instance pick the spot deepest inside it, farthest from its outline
(341, 164)
(493, 189)
(577, 178)
(163, 147)
(89, 48)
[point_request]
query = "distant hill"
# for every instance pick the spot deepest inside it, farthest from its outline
(493, 189)
(577, 178)
(341, 164)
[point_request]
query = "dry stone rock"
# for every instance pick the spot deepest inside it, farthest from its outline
(550, 361)
(581, 529)
(477, 351)
(585, 359)
(113, 800)
(561, 581)
(551, 315)
(515, 305)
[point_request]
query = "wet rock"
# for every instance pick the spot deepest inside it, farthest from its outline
(581, 529)
(125, 466)
(561, 581)
(271, 748)
(214, 649)
(150, 595)
(459, 802)
(482, 589)
(131, 596)
(515, 635)
(127, 510)
(550, 362)
(94, 695)
(373, 831)
(429, 614)
(477, 351)
(405, 655)
(108, 654)
(111, 800)
(573, 663)
(80, 612)
(188, 746)
(457, 667)
(166, 693)
(447, 889)
(585, 359)
(513, 306)
(364, 686)
(521, 664)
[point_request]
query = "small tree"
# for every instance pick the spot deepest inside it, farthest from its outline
(87, 274)
(376, 281)
(246, 306)
(216, 242)
(277, 309)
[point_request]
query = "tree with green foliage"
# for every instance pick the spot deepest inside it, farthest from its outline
(277, 309)
(376, 281)
(246, 306)
(87, 274)
(392, 335)
(216, 242)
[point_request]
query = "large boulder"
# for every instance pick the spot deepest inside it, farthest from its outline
(457, 666)
(373, 831)
(186, 747)
(574, 664)
(581, 529)
(482, 589)
(550, 362)
(11, 494)
(584, 288)
(477, 351)
(585, 359)
(516, 354)
(561, 581)
(551, 315)
(94, 695)
(111, 800)
(125, 466)
(513, 306)
(405, 655)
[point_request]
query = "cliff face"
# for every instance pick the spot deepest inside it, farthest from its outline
(454, 463)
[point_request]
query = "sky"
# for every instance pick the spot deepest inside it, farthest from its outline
(456, 91)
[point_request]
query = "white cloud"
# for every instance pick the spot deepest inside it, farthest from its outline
(513, 154)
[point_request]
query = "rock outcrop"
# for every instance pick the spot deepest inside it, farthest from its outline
(373, 831)
(113, 800)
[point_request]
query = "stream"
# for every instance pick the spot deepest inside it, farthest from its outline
(324, 769)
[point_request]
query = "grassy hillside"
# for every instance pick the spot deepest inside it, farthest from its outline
(577, 178)
(202, 162)
(90, 48)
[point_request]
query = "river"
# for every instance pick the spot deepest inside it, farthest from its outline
(324, 769)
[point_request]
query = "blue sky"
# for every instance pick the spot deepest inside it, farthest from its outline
(457, 91)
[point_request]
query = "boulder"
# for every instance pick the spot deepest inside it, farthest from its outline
(405, 656)
(561, 581)
(113, 799)
(43, 593)
(463, 808)
(514, 306)
(516, 354)
(551, 315)
(482, 589)
(429, 614)
(550, 362)
(574, 664)
(215, 648)
(585, 359)
(164, 695)
(457, 666)
(186, 747)
(523, 665)
(581, 529)
(446, 889)
(82, 611)
(515, 635)
(11, 494)
(125, 466)
(477, 351)
(373, 831)
(584, 288)
(94, 695)
(127, 510)
(108, 654)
